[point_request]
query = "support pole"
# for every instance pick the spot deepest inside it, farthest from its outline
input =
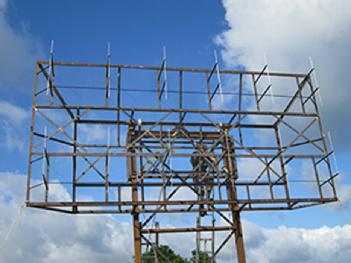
(239, 240)
(231, 169)
(197, 251)
(137, 241)
(134, 180)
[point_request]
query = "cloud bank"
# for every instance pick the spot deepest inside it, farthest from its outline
(43, 237)
(289, 34)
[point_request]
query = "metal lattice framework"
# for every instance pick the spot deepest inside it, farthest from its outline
(262, 151)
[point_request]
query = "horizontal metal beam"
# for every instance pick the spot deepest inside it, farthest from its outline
(196, 124)
(156, 184)
(187, 229)
(134, 109)
(194, 70)
(181, 202)
(117, 154)
(117, 210)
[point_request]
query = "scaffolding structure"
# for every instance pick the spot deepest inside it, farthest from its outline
(255, 151)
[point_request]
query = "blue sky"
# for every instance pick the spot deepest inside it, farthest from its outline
(190, 30)
(137, 30)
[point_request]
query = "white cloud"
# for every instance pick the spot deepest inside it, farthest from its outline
(12, 112)
(289, 33)
(18, 51)
(12, 118)
(51, 237)
(284, 244)
(93, 133)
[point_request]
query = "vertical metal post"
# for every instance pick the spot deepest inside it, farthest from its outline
(141, 163)
(218, 75)
(157, 239)
(46, 161)
(30, 151)
(158, 74)
(282, 163)
(180, 94)
(269, 180)
(239, 240)
(165, 81)
(107, 90)
(119, 197)
(197, 251)
(107, 166)
(47, 173)
(51, 74)
(300, 96)
(134, 180)
(208, 91)
(255, 92)
(231, 167)
(240, 107)
(74, 177)
(317, 177)
(213, 239)
(118, 106)
(137, 238)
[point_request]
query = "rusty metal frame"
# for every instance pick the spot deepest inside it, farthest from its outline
(168, 134)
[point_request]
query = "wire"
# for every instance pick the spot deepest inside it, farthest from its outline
(12, 228)
(343, 209)
(194, 92)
